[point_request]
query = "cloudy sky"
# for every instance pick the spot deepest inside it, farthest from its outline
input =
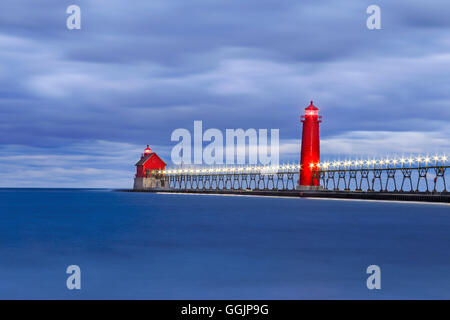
(78, 106)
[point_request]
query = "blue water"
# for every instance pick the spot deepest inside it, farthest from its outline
(166, 246)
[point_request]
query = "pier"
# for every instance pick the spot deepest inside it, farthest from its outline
(412, 178)
(371, 180)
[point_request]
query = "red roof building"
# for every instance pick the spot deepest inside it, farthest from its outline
(149, 163)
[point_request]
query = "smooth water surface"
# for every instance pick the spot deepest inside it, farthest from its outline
(169, 246)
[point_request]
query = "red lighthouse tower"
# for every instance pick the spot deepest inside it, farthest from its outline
(310, 155)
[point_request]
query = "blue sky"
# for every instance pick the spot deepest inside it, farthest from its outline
(78, 106)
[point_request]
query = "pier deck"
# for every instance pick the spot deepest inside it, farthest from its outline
(443, 197)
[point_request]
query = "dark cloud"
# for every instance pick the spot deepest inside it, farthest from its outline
(138, 70)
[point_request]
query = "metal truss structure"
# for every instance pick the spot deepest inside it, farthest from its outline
(403, 179)
(419, 179)
(254, 179)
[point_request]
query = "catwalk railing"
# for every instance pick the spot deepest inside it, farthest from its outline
(407, 179)
(418, 179)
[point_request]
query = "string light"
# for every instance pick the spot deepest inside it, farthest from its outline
(393, 162)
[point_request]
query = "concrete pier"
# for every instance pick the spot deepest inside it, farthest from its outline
(443, 197)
